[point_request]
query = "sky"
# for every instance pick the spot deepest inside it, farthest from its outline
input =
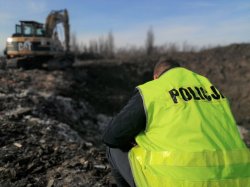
(196, 22)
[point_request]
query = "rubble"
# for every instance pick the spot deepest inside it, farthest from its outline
(47, 139)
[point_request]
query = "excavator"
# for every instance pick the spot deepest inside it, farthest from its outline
(36, 44)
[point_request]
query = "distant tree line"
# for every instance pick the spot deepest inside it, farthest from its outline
(104, 47)
(96, 49)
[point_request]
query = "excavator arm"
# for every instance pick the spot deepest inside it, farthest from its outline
(57, 17)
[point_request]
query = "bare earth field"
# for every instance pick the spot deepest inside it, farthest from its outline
(52, 121)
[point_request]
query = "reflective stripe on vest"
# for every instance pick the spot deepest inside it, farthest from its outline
(191, 138)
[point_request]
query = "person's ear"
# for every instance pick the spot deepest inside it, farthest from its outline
(155, 76)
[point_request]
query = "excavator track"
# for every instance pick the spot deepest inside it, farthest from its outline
(2, 63)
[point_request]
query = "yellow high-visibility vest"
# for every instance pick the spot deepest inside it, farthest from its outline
(191, 138)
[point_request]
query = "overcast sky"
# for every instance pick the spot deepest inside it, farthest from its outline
(198, 22)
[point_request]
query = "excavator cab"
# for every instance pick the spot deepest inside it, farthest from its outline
(29, 28)
(29, 40)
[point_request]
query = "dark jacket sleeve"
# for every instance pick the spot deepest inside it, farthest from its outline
(131, 120)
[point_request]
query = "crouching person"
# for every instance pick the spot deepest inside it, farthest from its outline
(177, 131)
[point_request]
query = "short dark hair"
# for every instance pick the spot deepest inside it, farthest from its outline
(165, 64)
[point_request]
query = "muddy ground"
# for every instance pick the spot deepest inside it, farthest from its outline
(52, 121)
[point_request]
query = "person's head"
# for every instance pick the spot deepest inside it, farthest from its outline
(163, 65)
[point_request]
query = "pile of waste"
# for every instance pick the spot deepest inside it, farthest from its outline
(47, 139)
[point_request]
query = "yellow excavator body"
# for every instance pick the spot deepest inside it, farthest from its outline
(36, 43)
